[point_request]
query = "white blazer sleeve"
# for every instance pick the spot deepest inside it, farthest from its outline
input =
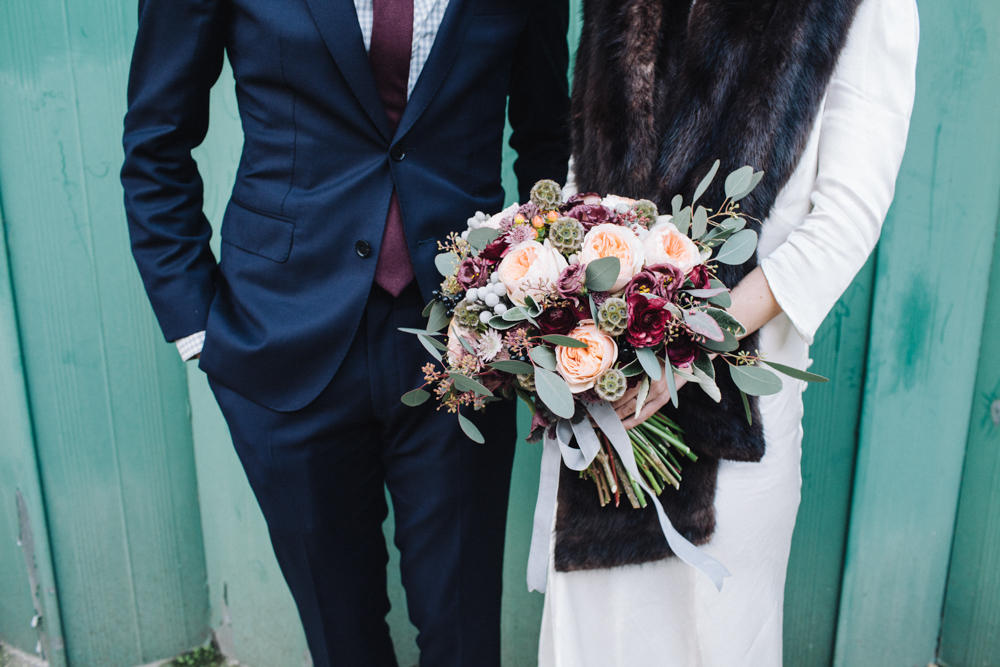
(862, 137)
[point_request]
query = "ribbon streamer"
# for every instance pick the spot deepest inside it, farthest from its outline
(558, 447)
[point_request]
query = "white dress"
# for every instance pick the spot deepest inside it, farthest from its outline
(824, 225)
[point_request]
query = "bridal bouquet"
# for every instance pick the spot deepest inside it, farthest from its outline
(565, 304)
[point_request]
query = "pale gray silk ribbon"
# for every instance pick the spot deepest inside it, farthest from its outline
(558, 447)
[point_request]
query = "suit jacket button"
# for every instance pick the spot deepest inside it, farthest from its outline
(363, 248)
(398, 153)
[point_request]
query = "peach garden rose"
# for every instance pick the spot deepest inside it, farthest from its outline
(611, 240)
(581, 367)
(665, 244)
(531, 268)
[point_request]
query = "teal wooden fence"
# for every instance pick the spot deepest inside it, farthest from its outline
(128, 532)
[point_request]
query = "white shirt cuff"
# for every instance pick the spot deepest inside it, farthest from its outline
(190, 346)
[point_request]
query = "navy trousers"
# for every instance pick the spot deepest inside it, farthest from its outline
(320, 474)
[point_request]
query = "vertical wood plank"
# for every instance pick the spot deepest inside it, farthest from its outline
(832, 412)
(29, 607)
(970, 633)
(918, 393)
(108, 400)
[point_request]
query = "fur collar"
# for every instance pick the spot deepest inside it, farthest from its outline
(661, 90)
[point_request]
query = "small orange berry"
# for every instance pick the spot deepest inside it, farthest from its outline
(519, 218)
(537, 222)
(552, 216)
(535, 231)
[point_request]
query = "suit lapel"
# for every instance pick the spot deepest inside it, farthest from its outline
(439, 63)
(337, 22)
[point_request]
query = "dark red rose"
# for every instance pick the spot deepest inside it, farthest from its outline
(581, 198)
(495, 251)
(647, 320)
(558, 319)
(682, 350)
(590, 215)
(662, 280)
(580, 306)
(473, 272)
(699, 277)
(570, 282)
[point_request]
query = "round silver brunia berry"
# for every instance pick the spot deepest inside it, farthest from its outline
(499, 309)
(472, 294)
(485, 316)
(491, 299)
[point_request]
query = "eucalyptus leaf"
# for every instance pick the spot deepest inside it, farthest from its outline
(735, 223)
(438, 319)
(738, 248)
(672, 384)
(682, 220)
(555, 393)
(795, 372)
(704, 363)
(544, 357)
(707, 383)
(513, 367)
(419, 332)
(466, 344)
(631, 369)
(699, 223)
(641, 396)
(446, 263)
(602, 274)
(738, 181)
(593, 307)
(470, 429)
(755, 380)
(427, 309)
(726, 321)
(427, 342)
(706, 293)
(482, 237)
(746, 408)
(649, 362)
(703, 324)
(415, 397)
(729, 344)
(564, 341)
(465, 383)
(722, 300)
(707, 181)
(676, 204)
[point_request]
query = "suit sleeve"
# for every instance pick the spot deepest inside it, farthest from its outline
(862, 138)
(539, 97)
(177, 58)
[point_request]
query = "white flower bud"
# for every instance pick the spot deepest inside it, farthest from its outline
(491, 299)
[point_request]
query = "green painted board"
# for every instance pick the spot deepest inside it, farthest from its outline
(29, 609)
(926, 327)
(970, 634)
(830, 425)
(108, 400)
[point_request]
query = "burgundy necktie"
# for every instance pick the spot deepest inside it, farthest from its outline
(389, 53)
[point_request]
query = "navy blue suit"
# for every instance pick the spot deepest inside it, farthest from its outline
(298, 341)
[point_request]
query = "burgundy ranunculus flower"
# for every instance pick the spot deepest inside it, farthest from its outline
(570, 281)
(580, 306)
(473, 272)
(495, 250)
(558, 319)
(699, 276)
(662, 280)
(581, 198)
(590, 215)
(647, 320)
(682, 350)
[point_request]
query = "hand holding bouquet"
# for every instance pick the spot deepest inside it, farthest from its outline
(566, 304)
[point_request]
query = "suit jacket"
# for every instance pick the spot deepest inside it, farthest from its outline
(301, 233)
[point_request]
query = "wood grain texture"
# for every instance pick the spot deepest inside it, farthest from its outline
(29, 607)
(918, 391)
(108, 400)
(970, 633)
(830, 425)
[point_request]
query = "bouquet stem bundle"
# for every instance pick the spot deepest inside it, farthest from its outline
(657, 444)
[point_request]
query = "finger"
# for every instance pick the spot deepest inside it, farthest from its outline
(653, 404)
(627, 397)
